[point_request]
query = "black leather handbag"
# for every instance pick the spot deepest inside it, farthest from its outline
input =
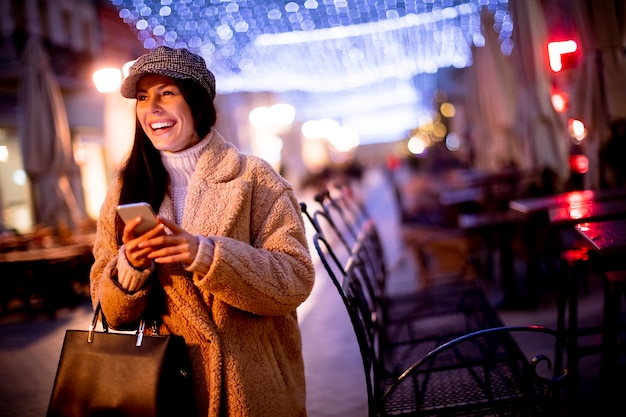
(102, 373)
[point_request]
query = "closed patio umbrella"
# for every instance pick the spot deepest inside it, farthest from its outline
(509, 98)
(491, 104)
(46, 143)
(599, 96)
(541, 132)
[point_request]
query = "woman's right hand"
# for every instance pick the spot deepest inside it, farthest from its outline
(138, 257)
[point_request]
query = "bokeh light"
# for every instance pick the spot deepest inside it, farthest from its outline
(309, 45)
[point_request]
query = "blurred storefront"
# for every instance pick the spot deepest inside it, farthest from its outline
(70, 37)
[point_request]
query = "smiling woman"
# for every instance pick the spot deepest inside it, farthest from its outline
(228, 263)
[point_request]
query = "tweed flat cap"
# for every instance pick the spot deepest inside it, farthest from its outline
(175, 63)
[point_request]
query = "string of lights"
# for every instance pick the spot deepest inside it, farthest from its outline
(318, 45)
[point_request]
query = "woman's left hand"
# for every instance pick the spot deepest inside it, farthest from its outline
(179, 246)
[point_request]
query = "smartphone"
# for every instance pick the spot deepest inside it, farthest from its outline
(129, 212)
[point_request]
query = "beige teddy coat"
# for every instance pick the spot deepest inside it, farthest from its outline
(239, 320)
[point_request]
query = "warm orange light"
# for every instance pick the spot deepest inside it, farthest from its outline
(107, 79)
(556, 50)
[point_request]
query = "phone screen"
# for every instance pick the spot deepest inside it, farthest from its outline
(129, 212)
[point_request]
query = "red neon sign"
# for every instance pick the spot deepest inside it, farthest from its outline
(556, 51)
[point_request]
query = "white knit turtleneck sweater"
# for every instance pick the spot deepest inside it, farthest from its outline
(181, 166)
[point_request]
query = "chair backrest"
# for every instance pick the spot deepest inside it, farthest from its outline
(352, 263)
(341, 217)
(348, 280)
(333, 208)
(372, 255)
(325, 225)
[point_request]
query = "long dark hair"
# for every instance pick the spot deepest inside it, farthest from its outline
(143, 175)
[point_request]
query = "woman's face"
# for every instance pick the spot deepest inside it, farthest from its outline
(164, 114)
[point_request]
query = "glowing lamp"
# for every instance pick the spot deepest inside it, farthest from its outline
(107, 79)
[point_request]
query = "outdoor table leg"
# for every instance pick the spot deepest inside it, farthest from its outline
(614, 290)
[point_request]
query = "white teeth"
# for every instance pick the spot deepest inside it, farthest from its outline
(161, 125)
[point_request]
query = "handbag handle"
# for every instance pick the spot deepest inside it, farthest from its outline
(105, 326)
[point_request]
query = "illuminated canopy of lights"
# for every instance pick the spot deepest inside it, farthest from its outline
(318, 45)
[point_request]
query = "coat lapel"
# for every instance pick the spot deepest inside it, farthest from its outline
(217, 195)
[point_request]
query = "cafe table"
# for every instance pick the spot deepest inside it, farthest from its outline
(48, 273)
(480, 199)
(588, 210)
(551, 235)
(608, 241)
(548, 222)
(50, 254)
(481, 187)
(541, 205)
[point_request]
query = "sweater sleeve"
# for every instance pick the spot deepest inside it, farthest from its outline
(126, 271)
(204, 257)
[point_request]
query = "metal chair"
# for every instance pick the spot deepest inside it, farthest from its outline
(425, 353)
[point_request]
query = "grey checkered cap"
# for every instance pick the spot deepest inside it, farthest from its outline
(175, 63)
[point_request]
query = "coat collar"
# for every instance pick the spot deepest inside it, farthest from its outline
(221, 161)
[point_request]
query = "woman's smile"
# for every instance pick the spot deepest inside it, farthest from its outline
(162, 125)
